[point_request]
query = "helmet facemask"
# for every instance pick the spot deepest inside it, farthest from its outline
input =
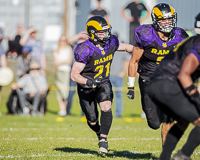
(95, 25)
(105, 38)
(163, 13)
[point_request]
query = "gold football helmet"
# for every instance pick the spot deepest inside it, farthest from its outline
(97, 24)
(163, 11)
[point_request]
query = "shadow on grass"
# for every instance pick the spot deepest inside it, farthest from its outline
(135, 115)
(56, 113)
(111, 153)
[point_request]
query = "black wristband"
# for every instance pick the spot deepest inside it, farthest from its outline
(89, 82)
(189, 89)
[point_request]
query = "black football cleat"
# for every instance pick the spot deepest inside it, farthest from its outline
(180, 156)
(103, 146)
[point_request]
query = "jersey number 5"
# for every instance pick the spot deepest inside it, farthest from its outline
(100, 69)
(159, 59)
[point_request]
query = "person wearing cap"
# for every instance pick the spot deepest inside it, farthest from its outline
(34, 86)
(23, 62)
(38, 53)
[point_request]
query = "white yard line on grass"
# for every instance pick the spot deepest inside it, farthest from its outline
(78, 139)
(61, 138)
(51, 129)
(80, 155)
(44, 155)
(74, 155)
(32, 129)
(150, 139)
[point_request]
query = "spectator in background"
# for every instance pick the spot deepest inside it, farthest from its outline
(3, 60)
(99, 11)
(15, 49)
(38, 53)
(136, 8)
(23, 62)
(62, 58)
(34, 87)
(74, 40)
(118, 70)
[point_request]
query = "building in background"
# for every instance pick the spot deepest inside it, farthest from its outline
(47, 16)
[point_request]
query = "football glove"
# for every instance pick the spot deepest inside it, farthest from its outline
(194, 97)
(94, 82)
(131, 92)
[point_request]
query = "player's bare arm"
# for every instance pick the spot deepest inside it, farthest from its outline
(189, 66)
(75, 73)
(133, 63)
(125, 47)
(132, 70)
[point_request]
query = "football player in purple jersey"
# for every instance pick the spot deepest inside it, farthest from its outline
(91, 71)
(152, 43)
(172, 89)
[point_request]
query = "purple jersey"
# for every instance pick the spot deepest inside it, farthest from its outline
(97, 61)
(154, 48)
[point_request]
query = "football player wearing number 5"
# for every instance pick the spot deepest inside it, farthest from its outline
(91, 71)
(152, 43)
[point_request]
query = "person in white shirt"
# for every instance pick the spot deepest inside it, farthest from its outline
(62, 58)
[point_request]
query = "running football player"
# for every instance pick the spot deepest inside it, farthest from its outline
(91, 71)
(153, 43)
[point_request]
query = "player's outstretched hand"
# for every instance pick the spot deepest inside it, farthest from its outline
(131, 92)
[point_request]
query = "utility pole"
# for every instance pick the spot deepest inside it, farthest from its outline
(27, 13)
(65, 17)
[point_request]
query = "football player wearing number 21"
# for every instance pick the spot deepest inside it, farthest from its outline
(152, 43)
(91, 71)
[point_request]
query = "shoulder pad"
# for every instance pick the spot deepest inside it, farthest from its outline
(83, 51)
(144, 35)
(114, 41)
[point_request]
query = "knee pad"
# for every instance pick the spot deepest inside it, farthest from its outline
(92, 119)
(96, 127)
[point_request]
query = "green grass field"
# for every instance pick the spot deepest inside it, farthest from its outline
(45, 138)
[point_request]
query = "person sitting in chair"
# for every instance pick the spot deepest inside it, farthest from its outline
(34, 88)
